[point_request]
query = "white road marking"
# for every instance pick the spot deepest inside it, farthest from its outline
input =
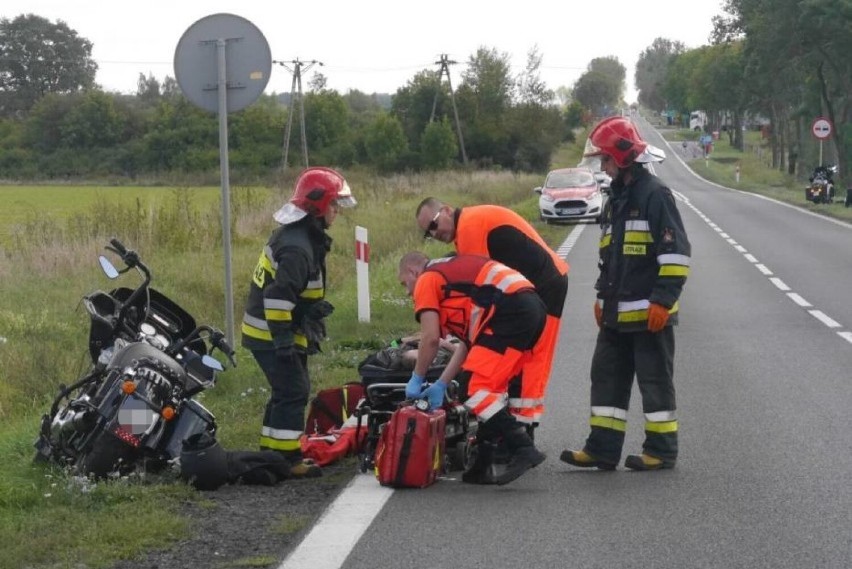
(799, 300)
(779, 283)
(822, 317)
(335, 534)
(763, 269)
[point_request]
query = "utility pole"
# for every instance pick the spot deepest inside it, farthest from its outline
(296, 98)
(445, 63)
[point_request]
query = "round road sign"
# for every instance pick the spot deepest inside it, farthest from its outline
(821, 128)
(248, 62)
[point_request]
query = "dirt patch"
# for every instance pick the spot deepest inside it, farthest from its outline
(249, 526)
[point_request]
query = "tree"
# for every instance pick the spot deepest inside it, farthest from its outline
(531, 89)
(37, 58)
(598, 92)
(651, 70)
(438, 145)
(385, 142)
(412, 104)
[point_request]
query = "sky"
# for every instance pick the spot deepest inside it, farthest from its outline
(379, 45)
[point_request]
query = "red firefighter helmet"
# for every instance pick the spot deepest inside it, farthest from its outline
(618, 138)
(316, 188)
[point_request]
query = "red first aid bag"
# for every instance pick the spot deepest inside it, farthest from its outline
(410, 452)
(332, 407)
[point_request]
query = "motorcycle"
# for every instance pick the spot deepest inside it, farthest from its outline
(821, 188)
(134, 407)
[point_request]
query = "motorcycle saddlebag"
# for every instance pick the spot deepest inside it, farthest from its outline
(410, 452)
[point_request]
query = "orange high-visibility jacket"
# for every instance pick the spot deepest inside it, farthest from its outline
(464, 290)
(503, 235)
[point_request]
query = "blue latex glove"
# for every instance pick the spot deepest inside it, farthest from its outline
(414, 386)
(435, 394)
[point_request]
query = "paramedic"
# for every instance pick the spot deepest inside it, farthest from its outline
(497, 315)
(503, 235)
(644, 263)
(285, 310)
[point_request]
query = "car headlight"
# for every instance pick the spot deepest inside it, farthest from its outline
(547, 197)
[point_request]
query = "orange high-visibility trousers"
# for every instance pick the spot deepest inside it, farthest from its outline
(490, 374)
(529, 407)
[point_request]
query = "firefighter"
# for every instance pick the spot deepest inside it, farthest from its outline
(503, 235)
(498, 316)
(284, 318)
(644, 262)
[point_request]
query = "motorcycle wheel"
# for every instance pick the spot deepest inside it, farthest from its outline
(108, 454)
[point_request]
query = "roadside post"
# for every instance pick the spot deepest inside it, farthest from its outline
(362, 272)
(738, 172)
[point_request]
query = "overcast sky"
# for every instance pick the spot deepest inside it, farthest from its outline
(378, 45)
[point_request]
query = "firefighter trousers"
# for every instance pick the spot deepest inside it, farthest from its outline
(290, 385)
(618, 357)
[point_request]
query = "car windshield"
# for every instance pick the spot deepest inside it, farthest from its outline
(573, 179)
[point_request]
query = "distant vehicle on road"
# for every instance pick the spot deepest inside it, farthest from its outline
(570, 194)
(697, 120)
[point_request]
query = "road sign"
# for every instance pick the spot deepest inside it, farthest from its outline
(821, 128)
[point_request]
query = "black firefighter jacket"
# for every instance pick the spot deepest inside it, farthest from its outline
(288, 278)
(644, 252)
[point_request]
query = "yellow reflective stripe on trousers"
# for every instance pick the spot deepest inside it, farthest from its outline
(608, 423)
(278, 444)
(674, 271)
(665, 427)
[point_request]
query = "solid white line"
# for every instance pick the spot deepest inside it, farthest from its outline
(763, 269)
(341, 526)
(779, 283)
(799, 300)
(822, 317)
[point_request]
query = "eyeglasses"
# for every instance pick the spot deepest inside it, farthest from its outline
(433, 226)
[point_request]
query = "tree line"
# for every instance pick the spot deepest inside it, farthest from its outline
(56, 122)
(786, 60)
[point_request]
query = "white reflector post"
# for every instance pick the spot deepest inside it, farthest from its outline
(362, 271)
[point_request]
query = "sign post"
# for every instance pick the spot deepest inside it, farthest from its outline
(821, 129)
(222, 64)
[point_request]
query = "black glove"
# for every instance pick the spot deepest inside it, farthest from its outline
(320, 309)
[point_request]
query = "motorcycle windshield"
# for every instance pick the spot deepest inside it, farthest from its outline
(167, 316)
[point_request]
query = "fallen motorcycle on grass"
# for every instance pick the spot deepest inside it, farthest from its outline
(134, 408)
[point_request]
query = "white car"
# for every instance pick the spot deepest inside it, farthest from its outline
(570, 194)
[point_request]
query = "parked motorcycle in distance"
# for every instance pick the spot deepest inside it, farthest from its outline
(821, 188)
(134, 407)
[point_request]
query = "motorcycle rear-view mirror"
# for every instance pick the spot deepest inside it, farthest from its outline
(108, 267)
(212, 362)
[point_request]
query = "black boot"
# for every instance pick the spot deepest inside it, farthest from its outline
(522, 453)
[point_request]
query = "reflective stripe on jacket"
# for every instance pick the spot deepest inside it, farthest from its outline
(464, 290)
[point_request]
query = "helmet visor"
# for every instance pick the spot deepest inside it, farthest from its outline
(345, 197)
(651, 154)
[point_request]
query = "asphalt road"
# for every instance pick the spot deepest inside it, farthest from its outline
(764, 353)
